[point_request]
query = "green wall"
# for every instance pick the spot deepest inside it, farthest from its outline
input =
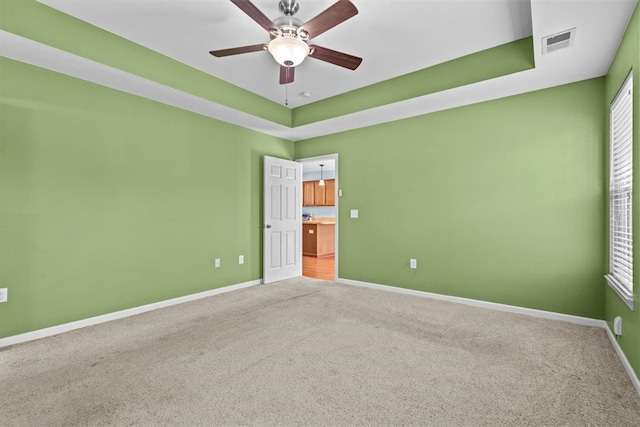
(500, 201)
(111, 201)
(36, 21)
(498, 61)
(627, 59)
(41, 23)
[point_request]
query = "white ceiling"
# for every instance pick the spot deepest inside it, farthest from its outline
(313, 166)
(424, 33)
(393, 37)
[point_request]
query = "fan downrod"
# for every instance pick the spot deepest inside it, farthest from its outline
(289, 7)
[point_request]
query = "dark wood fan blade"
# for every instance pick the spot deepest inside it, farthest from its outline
(334, 57)
(329, 18)
(237, 50)
(286, 74)
(254, 13)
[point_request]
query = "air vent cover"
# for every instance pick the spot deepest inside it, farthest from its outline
(558, 41)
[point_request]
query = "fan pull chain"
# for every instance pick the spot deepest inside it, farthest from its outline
(286, 95)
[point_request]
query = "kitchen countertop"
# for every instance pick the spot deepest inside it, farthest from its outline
(320, 221)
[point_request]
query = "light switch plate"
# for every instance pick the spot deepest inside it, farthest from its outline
(354, 213)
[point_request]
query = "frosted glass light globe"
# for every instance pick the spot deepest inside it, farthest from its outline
(288, 51)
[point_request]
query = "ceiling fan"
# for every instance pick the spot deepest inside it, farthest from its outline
(290, 38)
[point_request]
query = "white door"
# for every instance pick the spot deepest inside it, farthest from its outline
(282, 221)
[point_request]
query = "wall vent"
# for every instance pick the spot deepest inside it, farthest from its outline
(558, 41)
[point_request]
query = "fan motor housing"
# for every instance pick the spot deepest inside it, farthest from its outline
(288, 26)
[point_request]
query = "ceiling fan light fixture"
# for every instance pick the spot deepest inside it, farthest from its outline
(290, 36)
(288, 51)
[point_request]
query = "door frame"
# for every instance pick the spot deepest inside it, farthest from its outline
(334, 157)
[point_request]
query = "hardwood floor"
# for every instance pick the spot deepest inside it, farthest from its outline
(319, 268)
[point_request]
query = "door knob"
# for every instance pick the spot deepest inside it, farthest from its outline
(267, 226)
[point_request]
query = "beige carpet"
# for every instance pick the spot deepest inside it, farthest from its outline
(306, 352)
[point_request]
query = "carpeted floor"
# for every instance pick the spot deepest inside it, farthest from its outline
(309, 352)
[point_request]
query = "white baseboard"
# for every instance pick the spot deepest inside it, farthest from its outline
(585, 321)
(66, 327)
(623, 359)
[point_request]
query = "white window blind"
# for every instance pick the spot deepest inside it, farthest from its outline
(620, 276)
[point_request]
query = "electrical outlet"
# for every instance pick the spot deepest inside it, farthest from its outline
(4, 294)
(241, 259)
(617, 325)
(217, 262)
(413, 263)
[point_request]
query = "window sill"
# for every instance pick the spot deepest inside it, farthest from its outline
(622, 292)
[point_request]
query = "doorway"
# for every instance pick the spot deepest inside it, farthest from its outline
(320, 217)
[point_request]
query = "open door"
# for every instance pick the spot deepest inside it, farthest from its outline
(317, 262)
(282, 219)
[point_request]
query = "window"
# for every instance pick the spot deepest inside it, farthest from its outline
(620, 276)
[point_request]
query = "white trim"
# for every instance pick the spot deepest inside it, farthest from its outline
(25, 50)
(620, 290)
(66, 327)
(625, 362)
(31, 52)
(585, 321)
(620, 276)
(333, 157)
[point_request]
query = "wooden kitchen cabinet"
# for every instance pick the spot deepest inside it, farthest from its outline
(330, 192)
(309, 239)
(314, 194)
(319, 193)
(318, 240)
(308, 193)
